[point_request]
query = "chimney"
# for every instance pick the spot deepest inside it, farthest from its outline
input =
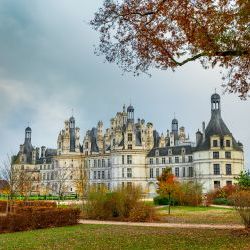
(203, 131)
(198, 137)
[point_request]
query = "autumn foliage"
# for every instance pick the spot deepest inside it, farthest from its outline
(185, 193)
(141, 34)
(36, 214)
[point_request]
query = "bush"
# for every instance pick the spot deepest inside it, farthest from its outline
(112, 206)
(36, 218)
(142, 213)
(221, 196)
(241, 202)
(221, 201)
(161, 200)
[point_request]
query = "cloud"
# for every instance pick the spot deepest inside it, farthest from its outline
(47, 67)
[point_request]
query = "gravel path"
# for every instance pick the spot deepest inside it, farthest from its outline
(155, 224)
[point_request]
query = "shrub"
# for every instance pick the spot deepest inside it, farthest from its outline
(161, 200)
(241, 201)
(221, 201)
(142, 213)
(112, 206)
(36, 218)
(190, 194)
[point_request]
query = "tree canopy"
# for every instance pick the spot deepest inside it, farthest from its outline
(142, 34)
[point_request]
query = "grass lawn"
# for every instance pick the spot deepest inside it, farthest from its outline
(123, 237)
(200, 215)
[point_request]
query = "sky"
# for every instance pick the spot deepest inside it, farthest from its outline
(48, 67)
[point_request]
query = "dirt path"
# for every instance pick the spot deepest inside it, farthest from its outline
(155, 224)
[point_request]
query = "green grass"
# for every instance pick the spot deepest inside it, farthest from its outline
(123, 237)
(200, 215)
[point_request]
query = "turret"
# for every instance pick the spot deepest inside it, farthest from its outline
(215, 104)
(28, 135)
(72, 134)
(130, 111)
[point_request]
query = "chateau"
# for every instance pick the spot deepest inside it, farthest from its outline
(132, 152)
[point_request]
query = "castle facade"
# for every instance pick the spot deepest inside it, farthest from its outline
(132, 152)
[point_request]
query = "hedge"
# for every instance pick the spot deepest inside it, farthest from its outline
(18, 204)
(160, 200)
(35, 218)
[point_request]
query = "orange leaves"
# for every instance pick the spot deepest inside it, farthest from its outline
(139, 34)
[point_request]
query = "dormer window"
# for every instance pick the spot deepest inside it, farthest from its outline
(215, 143)
(156, 152)
(130, 137)
(183, 150)
(170, 151)
(228, 143)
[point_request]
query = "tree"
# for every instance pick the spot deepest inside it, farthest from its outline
(244, 180)
(241, 201)
(9, 174)
(140, 34)
(167, 185)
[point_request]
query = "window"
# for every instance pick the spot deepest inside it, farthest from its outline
(190, 158)
(109, 163)
(183, 158)
(95, 164)
(163, 169)
(129, 172)
(177, 172)
(103, 174)
(130, 146)
(183, 172)
(151, 161)
(163, 160)
(228, 143)
(170, 159)
(129, 137)
(123, 173)
(216, 155)
(157, 172)
(99, 163)
(228, 155)
(156, 152)
(216, 169)
(99, 174)
(129, 159)
(215, 143)
(151, 173)
(216, 184)
(108, 174)
(176, 159)
(190, 172)
(228, 169)
(157, 160)
(169, 151)
(103, 163)
(229, 183)
(129, 184)
(86, 145)
(113, 142)
(123, 160)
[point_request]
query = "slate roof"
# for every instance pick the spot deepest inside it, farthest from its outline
(176, 150)
(216, 126)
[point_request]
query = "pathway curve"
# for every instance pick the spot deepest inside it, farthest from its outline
(155, 224)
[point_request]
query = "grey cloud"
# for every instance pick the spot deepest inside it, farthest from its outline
(47, 67)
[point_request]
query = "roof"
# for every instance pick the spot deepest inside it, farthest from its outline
(176, 150)
(28, 129)
(216, 126)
